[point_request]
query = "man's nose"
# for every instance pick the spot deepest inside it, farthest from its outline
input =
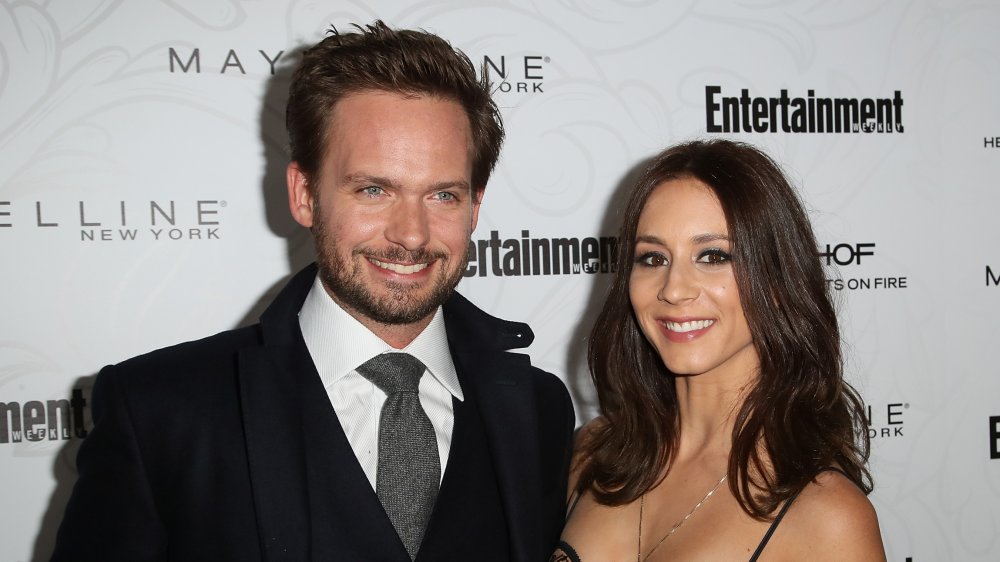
(408, 225)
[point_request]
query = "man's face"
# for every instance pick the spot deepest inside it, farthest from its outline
(392, 207)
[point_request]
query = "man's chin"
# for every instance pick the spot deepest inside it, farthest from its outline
(394, 305)
(399, 311)
(390, 299)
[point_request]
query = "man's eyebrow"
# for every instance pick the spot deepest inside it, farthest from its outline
(458, 184)
(359, 179)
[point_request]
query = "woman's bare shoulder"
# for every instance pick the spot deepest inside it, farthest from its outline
(833, 519)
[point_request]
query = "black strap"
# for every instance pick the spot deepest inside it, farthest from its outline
(573, 502)
(564, 552)
(784, 508)
(774, 525)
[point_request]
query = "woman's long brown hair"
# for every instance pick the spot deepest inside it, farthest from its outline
(800, 418)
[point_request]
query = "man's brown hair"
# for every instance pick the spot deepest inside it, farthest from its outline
(379, 58)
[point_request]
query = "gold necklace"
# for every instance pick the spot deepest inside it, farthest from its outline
(642, 500)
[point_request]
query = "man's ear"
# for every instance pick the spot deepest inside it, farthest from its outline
(300, 200)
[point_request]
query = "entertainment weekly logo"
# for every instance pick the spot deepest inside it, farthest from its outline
(994, 437)
(509, 74)
(852, 254)
(528, 256)
(95, 222)
(745, 113)
(43, 420)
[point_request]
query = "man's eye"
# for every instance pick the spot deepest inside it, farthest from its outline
(372, 190)
(445, 196)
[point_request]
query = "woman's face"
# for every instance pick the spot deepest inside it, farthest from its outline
(682, 286)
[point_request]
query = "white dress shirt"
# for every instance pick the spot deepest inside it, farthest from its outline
(338, 344)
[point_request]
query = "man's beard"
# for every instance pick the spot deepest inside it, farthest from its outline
(400, 304)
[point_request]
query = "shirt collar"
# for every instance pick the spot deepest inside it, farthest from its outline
(338, 343)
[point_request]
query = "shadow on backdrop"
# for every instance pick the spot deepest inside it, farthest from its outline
(64, 474)
(577, 371)
(274, 149)
(274, 143)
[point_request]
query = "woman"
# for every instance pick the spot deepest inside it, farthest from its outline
(717, 365)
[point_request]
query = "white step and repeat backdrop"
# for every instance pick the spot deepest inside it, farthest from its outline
(142, 200)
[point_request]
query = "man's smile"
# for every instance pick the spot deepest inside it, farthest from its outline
(399, 267)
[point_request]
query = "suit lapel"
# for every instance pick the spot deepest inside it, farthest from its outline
(276, 455)
(508, 411)
(312, 498)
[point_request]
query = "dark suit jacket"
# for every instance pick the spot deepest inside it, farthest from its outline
(224, 449)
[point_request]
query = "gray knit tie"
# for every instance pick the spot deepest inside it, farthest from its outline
(409, 469)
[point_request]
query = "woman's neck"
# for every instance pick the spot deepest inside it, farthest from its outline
(707, 407)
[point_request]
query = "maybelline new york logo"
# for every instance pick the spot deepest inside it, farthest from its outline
(187, 60)
(521, 74)
(525, 256)
(810, 114)
(43, 420)
(886, 421)
(854, 254)
(991, 277)
(119, 221)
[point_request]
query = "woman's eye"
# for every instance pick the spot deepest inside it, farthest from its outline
(652, 260)
(714, 257)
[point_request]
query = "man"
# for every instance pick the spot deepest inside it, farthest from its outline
(287, 440)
